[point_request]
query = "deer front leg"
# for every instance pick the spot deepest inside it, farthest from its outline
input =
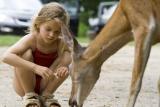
(159, 90)
(143, 40)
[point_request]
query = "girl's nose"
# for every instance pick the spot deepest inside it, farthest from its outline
(51, 34)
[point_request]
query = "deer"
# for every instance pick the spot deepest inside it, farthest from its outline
(133, 20)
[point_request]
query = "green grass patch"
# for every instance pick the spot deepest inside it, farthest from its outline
(7, 40)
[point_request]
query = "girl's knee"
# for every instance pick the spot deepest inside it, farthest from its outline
(17, 87)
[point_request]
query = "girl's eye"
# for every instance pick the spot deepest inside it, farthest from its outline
(48, 29)
(57, 32)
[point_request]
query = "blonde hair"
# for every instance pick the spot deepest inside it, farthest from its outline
(49, 12)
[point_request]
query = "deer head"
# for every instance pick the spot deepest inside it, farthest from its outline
(84, 75)
(83, 72)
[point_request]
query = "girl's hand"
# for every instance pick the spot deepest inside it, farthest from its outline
(44, 72)
(62, 72)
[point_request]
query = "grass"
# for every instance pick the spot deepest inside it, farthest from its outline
(8, 40)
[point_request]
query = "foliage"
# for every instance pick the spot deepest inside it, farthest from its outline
(82, 30)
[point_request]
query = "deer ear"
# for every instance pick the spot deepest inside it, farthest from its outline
(71, 42)
(78, 49)
(67, 36)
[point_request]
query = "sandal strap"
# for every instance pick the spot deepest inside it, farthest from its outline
(49, 100)
(31, 95)
(31, 98)
(49, 96)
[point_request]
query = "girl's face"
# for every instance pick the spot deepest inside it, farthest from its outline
(50, 31)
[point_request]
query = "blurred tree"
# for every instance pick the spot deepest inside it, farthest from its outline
(92, 6)
(89, 8)
(85, 3)
(47, 1)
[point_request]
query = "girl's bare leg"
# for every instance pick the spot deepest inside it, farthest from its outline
(49, 87)
(24, 80)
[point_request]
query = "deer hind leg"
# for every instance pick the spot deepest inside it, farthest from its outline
(143, 35)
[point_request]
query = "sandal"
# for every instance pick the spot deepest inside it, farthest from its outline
(31, 99)
(49, 101)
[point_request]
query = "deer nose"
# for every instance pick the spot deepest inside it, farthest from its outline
(73, 103)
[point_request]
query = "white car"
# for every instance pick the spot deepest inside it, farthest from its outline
(15, 15)
(105, 11)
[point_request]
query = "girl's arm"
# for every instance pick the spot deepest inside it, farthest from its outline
(13, 55)
(60, 66)
(64, 60)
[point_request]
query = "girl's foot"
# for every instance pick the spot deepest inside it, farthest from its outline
(31, 100)
(49, 101)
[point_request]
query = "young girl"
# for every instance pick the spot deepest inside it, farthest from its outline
(41, 58)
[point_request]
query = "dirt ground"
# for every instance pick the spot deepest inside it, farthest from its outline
(111, 90)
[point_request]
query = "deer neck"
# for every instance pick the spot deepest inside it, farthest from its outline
(100, 51)
(116, 26)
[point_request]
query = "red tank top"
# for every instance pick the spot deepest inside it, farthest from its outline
(43, 60)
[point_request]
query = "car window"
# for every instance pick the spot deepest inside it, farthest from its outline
(108, 9)
(107, 13)
(71, 6)
(72, 3)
